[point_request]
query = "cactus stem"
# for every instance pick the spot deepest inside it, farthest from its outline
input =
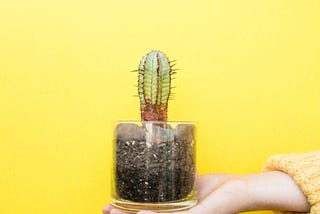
(154, 86)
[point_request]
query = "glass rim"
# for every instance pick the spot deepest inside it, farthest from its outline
(156, 121)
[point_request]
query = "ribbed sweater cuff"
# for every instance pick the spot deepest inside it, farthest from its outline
(305, 170)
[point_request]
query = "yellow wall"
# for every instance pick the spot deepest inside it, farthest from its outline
(250, 75)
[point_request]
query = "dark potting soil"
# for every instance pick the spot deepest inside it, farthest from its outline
(155, 168)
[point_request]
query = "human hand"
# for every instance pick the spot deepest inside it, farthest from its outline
(226, 194)
(206, 184)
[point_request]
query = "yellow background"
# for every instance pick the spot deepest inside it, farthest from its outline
(250, 75)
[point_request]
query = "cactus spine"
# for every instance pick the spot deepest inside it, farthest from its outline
(154, 86)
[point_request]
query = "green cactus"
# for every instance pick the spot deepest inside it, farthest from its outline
(154, 86)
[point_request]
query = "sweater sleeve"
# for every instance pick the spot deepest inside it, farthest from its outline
(305, 170)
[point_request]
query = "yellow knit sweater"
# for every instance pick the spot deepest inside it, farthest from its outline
(305, 170)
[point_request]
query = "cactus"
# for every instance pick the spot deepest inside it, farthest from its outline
(154, 86)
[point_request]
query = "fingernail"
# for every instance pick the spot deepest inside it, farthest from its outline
(107, 208)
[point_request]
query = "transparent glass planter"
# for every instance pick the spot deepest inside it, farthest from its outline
(154, 166)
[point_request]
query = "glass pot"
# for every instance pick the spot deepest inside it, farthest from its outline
(154, 166)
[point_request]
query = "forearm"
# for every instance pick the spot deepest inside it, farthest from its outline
(273, 190)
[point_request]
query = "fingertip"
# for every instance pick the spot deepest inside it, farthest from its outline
(106, 209)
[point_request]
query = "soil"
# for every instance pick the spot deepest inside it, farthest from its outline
(154, 168)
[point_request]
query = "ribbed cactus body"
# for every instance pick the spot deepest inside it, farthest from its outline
(154, 86)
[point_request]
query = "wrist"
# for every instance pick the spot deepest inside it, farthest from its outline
(236, 190)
